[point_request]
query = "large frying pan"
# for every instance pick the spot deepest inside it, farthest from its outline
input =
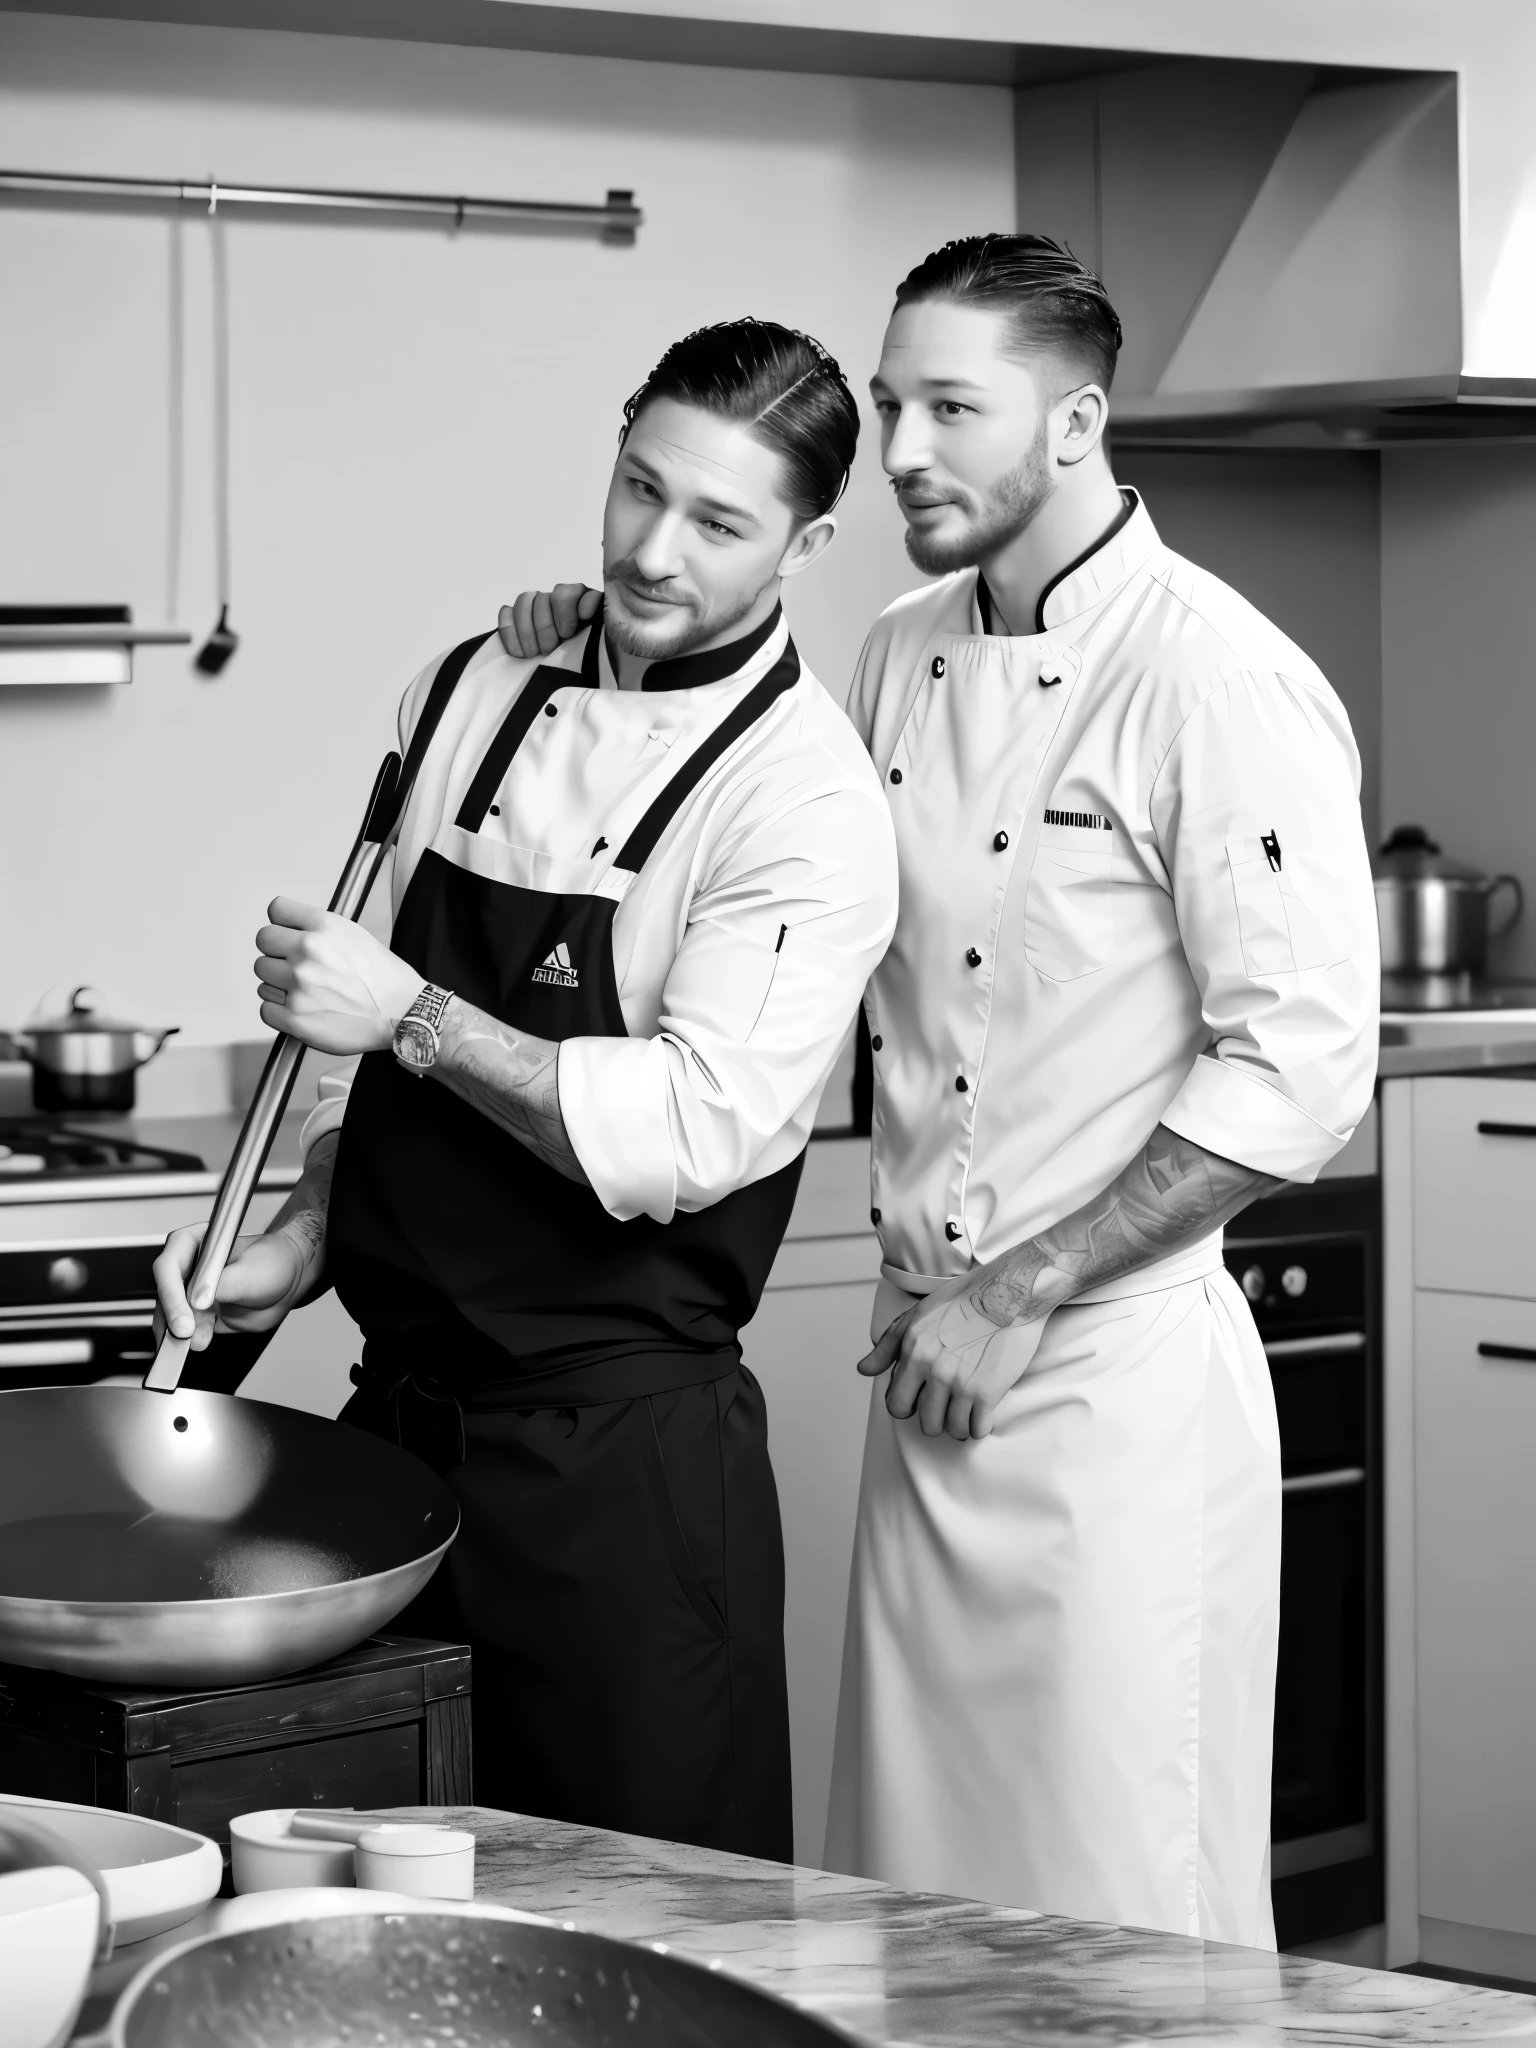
(158, 1536)
(398, 1980)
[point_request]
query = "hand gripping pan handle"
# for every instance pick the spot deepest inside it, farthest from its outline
(385, 809)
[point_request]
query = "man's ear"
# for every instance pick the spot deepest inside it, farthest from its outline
(808, 545)
(1078, 421)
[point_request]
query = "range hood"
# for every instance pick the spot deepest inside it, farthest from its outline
(1284, 246)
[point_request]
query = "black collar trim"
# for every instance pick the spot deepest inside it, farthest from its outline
(687, 671)
(984, 596)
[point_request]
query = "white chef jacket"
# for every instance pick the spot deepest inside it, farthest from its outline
(743, 945)
(1134, 889)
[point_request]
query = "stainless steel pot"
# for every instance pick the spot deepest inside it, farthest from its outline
(83, 1060)
(1435, 913)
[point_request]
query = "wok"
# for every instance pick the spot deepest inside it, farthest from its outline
(197, 1539)
(179, 1539)
(397, 1980)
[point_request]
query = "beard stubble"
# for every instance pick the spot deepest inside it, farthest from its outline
(1007, 510)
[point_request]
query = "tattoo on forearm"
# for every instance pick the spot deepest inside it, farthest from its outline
(1172, 1192)
(302, 1217)
(510, 1077)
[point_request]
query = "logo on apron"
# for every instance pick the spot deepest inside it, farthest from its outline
(557, 969)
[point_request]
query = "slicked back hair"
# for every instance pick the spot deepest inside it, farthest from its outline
(1052, 301)
(780, 385)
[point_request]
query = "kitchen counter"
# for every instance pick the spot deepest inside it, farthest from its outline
(906, 1968)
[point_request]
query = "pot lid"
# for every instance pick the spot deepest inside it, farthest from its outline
(1410, 855)
(83, 1014)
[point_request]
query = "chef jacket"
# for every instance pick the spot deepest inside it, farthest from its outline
(1134, 890)
(743, 945)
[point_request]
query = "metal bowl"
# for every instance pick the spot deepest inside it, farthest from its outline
(396, 1980)
(194, 1539)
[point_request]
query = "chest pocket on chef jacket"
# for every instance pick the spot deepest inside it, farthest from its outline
(1066, 906)
(1286, 919)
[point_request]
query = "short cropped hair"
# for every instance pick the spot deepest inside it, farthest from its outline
(779, 384)
(1053, 301)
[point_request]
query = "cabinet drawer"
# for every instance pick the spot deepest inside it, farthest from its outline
(1475, 1559)
(1474, 1186)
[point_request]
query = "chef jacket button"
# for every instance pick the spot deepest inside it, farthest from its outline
(1000, 843)
(895, 775)
(876, 1042)
(972, 957)
(937, 671)
(874, 1215)
(952, 1230)
(495, 810)
(961, 1083)
(549, 710)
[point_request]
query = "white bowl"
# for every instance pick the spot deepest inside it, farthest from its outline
(157, 1876)
(264, 1857)
(49, 1921)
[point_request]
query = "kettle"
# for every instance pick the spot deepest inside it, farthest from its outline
(83, 1060)
(1434, 913)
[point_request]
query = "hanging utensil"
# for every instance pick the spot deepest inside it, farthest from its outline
(223, 640)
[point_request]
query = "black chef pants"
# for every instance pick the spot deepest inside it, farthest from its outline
(619, 1576)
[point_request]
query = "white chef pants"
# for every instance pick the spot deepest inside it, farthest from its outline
(1059, 1669)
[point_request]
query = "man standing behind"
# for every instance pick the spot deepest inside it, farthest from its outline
(1133, 985)
(637, 895)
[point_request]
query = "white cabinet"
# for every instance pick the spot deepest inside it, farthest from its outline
(1476, 1525)
(803, 1345)
(1459, 1413)
(1474, 1185)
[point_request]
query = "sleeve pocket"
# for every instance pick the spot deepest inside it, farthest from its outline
(1286, 919)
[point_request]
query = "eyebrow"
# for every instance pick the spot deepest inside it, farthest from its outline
(722, 508)
(878, 384)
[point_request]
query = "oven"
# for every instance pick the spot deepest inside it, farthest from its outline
(1307, 1260)
(84, 1211)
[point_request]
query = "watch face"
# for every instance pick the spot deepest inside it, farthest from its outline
(415, 1043)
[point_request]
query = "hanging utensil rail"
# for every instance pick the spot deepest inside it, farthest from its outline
(618, 216)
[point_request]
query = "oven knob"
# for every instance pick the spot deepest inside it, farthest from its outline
(1253, 1283)
(1294, 1280)
(67, 1276)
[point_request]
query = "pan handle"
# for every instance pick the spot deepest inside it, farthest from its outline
(381, 822)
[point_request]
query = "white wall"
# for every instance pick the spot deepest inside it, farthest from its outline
(423, 423)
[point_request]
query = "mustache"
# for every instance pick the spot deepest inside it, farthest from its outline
(664, 588)
(912, 489)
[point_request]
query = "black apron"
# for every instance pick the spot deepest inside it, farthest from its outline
(619, 1571)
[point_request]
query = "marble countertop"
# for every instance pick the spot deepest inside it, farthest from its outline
(902, 1969)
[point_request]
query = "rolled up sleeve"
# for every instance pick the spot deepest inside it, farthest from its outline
(781, 938)
(1256, 809)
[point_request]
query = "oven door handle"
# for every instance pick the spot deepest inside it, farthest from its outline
(32, 1354)
(1522, 1352)
(1341, 1345)
(1325, 1482)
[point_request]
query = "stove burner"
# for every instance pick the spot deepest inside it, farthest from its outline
(36, 1150)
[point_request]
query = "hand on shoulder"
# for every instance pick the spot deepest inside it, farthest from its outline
(539, 620)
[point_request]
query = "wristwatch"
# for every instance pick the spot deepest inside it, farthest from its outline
(416, 1041)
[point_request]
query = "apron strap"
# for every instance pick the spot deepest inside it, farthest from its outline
(444, 683)
(641, 843)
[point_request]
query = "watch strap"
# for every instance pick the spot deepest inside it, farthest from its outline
(430, 1005)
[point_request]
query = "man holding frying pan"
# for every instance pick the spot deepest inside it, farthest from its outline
(638, 891)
